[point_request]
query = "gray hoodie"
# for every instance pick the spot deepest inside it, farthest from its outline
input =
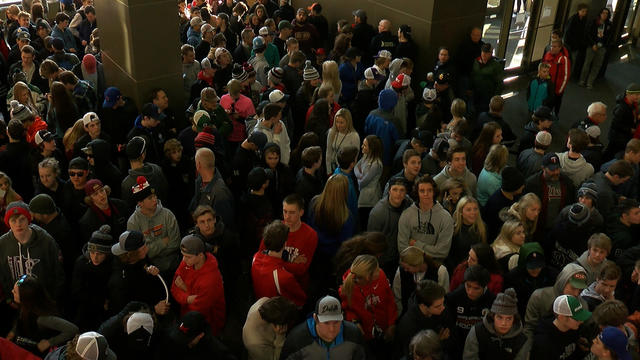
(472, 346)
(154, 176)
(540, 304)
(468, 178)
(161, 234)
(592, 271)
(432, 230)
(577, 170)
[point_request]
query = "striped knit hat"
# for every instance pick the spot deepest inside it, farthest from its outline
(101, 240)
(310, 73)
(19, 111)
(275, 75)
(205, 138)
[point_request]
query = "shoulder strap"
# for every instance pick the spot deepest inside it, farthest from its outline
(275, 281)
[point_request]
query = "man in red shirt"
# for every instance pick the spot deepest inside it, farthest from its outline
(560, 71)
(197, 284)
(268, 272)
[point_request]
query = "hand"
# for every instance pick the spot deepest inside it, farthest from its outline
(412, 242)
(300, 259)
(152, 270)
(161, 307)
(191, 299)
(277, 128)
(388, 334)
(444, 334)
(43, 345)
(180, 283)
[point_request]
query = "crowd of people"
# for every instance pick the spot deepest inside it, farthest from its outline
(372, 215)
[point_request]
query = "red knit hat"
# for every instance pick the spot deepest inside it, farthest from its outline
(205, 138)
(89, 63)
(17, 208)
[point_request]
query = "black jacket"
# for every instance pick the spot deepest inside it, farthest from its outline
(93, 218)
(622, 125)
(574, 38)
(307, 186)
(363, 33)
(383, 41)
(16, 162)
(88, 291)
(412, 322)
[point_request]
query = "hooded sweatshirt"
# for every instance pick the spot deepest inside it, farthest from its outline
(282, 139)
(154, 176)
(161, 234)
(592, 271)
(541, 302)
(432, 230)
(578, 170)
(519, 278)
(528, 138)
(270, 278)
(384, 218)
(39, 257)
(483, 342)
(384, 124)
(467, 178)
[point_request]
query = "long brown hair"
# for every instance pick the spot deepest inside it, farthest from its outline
(331, 211)
(64, 105)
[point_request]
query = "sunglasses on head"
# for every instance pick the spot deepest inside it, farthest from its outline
(76, 173)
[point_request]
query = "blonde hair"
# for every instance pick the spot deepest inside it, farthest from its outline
(507, 231)
(73, 134)
(363, 267)
(496, 158)
(346, 115)
(331, 76)
(19, 88)
(331, 211)
(519, 209)
(458, 108)
(477, 227)
(412, 255)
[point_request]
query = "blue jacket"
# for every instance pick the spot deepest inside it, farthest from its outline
(66, 36)
(193, 37)
(304, 343)
(352, 198)
(539, 93)
(379, 123)
(350, 77)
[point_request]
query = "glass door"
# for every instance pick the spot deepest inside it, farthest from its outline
(505, 27)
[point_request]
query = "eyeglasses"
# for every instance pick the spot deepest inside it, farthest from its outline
(76, 173)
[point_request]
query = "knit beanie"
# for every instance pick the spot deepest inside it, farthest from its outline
(141, 190)
(310, 73)
(201, 118)
(387, 99)
(238, 73)
(42, 204)
(19, 111)
(506, 303)
(579, 214)
(16, 208)
(205, 138)
(590, 190)
(101, 240)
(512, 179)
(275, 75)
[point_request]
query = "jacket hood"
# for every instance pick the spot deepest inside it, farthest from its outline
(158, 210)
(405, 204)
(515, 330)
(394, 68)
(531, 127)
(570, 165)
(146, 170)
(565, 275)
(387, 99)
(101, 151)
(526, 250)
(591, 292)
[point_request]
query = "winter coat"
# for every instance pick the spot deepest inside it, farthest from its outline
(539, 92)
(566, 240)
(540, 303)
(537, 184)
(384, 218)
(623, 125)
(270, 278)
(487, 78)
(578, 170)
(93, 218)
(630, 187)
(467, 178)
(551, 343)
(622, 237)
(89, 292)
(160, 226)
(154, 175)
(522, 282)
(488, 183)
(382, 124)
(368, 174)
(483, 342)
(432, 230)
(607, 198)
(560, 71)
(371, 304)
(460, 245)
(215, 194)
(303, 342)
(574, 36)
(206, 284)
(39, 256)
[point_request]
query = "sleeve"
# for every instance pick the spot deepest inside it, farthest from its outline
(285, 145)
(404, 231)
(397, 290)
(66, 330)
(225, 124)
(329, 152)
(443, 242)
(290, 288)
(443, 277)
(177, 293)
(374, 171)
(532, 315)
(471, 346)
(173, 232)
(565, 70)
(210, 295)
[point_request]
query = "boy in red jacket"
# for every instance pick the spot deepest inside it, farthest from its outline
(560, 71)
(268, 272)
(197, 284)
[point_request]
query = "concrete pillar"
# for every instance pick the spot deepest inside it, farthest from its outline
(140, 43)
(434, 23)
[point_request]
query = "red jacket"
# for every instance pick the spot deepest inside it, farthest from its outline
(301, 242)
(271, 278)
(495, 283)
(371, 304)
(560, 70)
(206, 283)
(38, 124)
(334, 109)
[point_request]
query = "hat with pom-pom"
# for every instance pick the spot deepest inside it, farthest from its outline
(141, 190)
(19, 111)
(239, 73)
(506, 303)
(310, 73)
(101, 240)
(275, 75)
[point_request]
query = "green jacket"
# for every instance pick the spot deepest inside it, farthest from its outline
(487, 78)
(219, 119)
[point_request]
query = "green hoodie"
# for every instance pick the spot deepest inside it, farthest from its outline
(525, 251)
